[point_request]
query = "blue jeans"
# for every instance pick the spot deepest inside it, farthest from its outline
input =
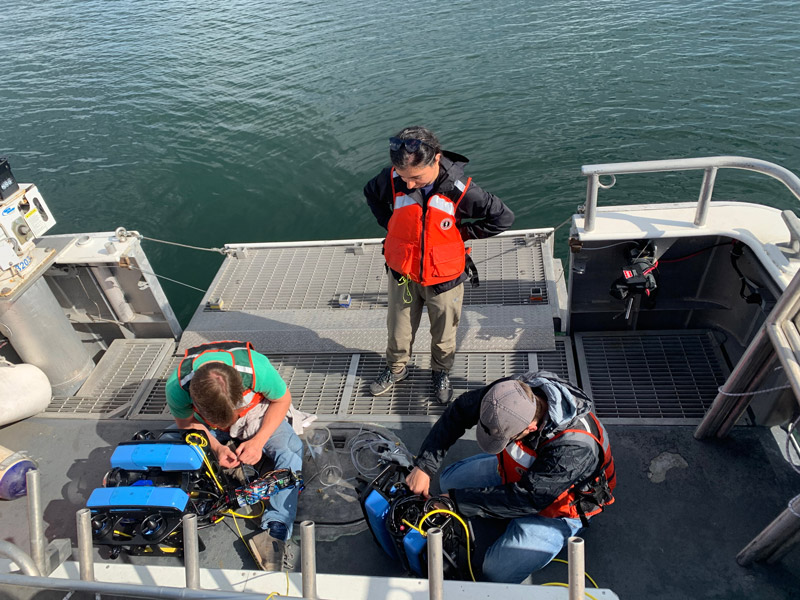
(286, 451)
(528, 543)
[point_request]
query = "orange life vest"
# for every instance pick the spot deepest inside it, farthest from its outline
(426, 246)
(581, 500)
(242, 361)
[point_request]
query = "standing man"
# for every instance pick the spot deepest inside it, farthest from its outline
(547, 469)
(422, 200)
(235, 391)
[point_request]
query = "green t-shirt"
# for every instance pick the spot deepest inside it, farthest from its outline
(268, 382)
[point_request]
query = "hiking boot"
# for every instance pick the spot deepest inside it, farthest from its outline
(386, 380)
(442, 388)
(268, 551)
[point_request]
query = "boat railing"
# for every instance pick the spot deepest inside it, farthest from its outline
(710, 165)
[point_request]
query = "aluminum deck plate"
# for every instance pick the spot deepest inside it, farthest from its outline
(286, 299)
(125, 374)
(655, 377)
(334, 386)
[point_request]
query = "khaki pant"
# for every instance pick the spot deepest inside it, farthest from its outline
(444, 312)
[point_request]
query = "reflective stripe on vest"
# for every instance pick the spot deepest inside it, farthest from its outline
(517, 458)
(401, 201)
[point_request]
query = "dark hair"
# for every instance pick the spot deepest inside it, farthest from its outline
(423, 155)
(541, 403)
(216, 389)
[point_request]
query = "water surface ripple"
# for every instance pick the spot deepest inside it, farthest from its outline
(257, 120)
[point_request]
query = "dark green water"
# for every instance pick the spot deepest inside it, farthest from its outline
(243, 121)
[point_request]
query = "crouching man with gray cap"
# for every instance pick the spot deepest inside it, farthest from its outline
(547, 469)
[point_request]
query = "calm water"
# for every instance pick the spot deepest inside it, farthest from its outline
(213, 122)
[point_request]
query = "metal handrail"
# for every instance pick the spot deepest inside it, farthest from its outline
(708, 164)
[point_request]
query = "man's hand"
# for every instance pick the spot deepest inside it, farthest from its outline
(226, 457)
(419, 482)
(250, 451)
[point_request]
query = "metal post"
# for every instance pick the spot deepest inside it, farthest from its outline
(308, 559)
(85, 561)
(590, 209)
(191, 552)
(774, 541)
(706, 189)
(35, 522)
(759, 352)
(435, 564)
(577, 584)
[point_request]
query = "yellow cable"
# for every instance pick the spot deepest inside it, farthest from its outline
(463, 524)
(588, 595)
(407, 297)
(235, 514)
(589, 577)
(200, 445)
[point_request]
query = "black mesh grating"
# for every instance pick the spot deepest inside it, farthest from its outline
(651, 375)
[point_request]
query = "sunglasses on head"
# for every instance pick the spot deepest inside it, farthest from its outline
(411, 145)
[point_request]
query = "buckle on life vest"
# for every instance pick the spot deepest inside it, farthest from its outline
(471, 269)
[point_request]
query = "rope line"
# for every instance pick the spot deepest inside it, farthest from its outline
(772, 389)
(168, 279)
(218, 250)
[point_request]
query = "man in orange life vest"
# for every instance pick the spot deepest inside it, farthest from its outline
(235, 391)
(422, 200)
(547, 469)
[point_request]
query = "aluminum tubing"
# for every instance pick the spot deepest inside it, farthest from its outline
(435, 564)
(773, 538)
(191, 552)
(308, 559)
(85, 561)
(590, 210)
(577, 584)
(24, 562)
(122, 590)
(113, 291)
(706, 191)
(751, 362)
(35, 522)
(42, 335)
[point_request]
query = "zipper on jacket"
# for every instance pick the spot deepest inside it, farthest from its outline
(422, 238)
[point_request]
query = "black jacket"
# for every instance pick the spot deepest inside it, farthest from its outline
(558, 465)
(479, 214)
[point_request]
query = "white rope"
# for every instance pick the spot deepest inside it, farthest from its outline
(218, 250)
(168, 279)
(772, 389)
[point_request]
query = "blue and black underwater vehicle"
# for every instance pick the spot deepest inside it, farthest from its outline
(399, 521)
(156, 479)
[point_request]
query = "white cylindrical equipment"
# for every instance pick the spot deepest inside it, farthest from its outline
(24, 391)
(40, 333)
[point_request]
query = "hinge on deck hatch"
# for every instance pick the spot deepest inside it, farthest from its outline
(575, 245)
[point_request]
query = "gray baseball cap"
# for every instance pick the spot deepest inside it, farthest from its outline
(506, 410)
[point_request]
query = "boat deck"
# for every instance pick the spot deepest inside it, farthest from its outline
(671, 527)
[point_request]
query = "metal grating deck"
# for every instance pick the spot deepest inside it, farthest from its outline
(651, 377)
(336, 386)
(126, 372)
(313, 277)
(285, 299)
